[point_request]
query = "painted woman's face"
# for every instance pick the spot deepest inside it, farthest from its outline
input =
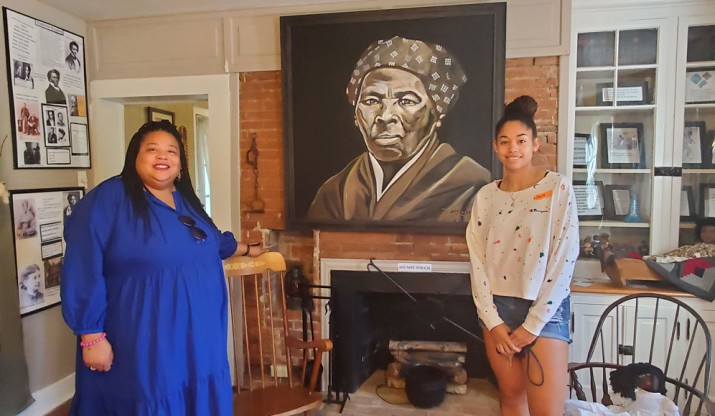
(394, 114)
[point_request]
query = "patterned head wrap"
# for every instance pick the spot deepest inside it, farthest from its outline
(441, 74)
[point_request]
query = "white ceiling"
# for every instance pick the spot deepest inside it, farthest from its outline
(94, 10)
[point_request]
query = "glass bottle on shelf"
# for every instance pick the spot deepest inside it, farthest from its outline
(697, 194)
(614, 139)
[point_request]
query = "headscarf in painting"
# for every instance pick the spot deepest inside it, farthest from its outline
(441, 74)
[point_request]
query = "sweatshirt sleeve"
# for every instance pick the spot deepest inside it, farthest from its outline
(563, 252)
(83, 286)
(481, 289)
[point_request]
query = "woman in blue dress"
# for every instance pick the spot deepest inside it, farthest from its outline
(143, 288)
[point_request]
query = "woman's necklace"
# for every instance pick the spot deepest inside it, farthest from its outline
(513, 198)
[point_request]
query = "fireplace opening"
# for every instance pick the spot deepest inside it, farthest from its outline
(368, 311)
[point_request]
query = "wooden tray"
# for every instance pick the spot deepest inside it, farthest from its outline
(622, 270)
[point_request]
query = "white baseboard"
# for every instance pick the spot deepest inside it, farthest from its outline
(50, 397)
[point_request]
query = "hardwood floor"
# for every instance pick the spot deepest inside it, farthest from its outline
(62, 410)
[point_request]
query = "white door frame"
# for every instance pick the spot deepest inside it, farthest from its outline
(107, 99)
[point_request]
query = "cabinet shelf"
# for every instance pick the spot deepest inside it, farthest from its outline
(613, 224)
(698, 171)
(620, 108)
(699, 64)
(639, 171)
(703, 105)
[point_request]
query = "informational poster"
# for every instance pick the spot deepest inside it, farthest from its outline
(38, 218)
(48, 90)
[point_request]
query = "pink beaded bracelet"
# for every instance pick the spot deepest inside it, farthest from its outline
(95, 341)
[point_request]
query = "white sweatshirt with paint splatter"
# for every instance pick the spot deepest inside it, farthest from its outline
(523, 244)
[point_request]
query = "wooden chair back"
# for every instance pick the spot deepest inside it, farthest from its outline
(265, 377)
(654, 329)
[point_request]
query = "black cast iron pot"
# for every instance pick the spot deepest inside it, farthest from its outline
(425, 385)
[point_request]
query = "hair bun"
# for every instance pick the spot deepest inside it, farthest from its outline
(523, 105)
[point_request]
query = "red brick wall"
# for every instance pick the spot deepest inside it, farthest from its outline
(260, 113)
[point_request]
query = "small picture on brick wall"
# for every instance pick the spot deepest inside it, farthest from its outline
(388, 116)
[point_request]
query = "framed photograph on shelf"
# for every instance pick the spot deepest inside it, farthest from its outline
(617, 201)
(628, 93)
(687, 204)
(157, 114)
(589, 199)
(584, 151)
(707, 199)
(700, 86)
(697, 152)
(623, 146)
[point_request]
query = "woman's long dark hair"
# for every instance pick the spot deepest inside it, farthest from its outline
(134, 185)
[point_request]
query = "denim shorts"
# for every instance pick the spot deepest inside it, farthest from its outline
(513, 312)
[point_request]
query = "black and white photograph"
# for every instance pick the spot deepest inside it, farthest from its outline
(687, 204)
(623, 145)
(618, 201)
(696, 151)
(38, 217)
(47, 68)
(348, 169)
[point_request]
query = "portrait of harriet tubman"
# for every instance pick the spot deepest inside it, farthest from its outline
(401, 92)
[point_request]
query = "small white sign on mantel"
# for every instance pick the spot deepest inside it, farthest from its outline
(414, 267)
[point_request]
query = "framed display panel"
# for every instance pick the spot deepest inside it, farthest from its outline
(617, 201)
(589, 199)
(700, 86)
(47, 86)
(631, 93)
(687, 204)
(453, 58)
(622, 145)
(585, 151)
(697, 152)
(38, 218)
(707, 199)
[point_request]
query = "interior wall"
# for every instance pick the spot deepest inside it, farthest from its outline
(49, 344)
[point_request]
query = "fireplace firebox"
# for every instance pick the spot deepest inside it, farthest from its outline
(368, 310)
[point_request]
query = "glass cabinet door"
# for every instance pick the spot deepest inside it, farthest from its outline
(614, 138)
(697, 127)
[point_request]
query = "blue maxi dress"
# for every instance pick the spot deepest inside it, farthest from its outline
(162, 300)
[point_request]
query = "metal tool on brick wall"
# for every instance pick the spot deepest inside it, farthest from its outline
(257, 205)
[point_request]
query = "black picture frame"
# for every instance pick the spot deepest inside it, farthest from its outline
(38, 219)
(321, 144)
(687, 196)
(157, 114)
(617, 200)
(51, 61)
(628, 93)
(707, 194)
(699, 88)
(589, 199)
(695, 144)
(585, 151)
(628, 151)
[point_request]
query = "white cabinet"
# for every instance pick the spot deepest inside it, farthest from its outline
(629, 92)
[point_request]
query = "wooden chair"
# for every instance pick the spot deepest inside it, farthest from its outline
(258, 304)
(655, 329)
